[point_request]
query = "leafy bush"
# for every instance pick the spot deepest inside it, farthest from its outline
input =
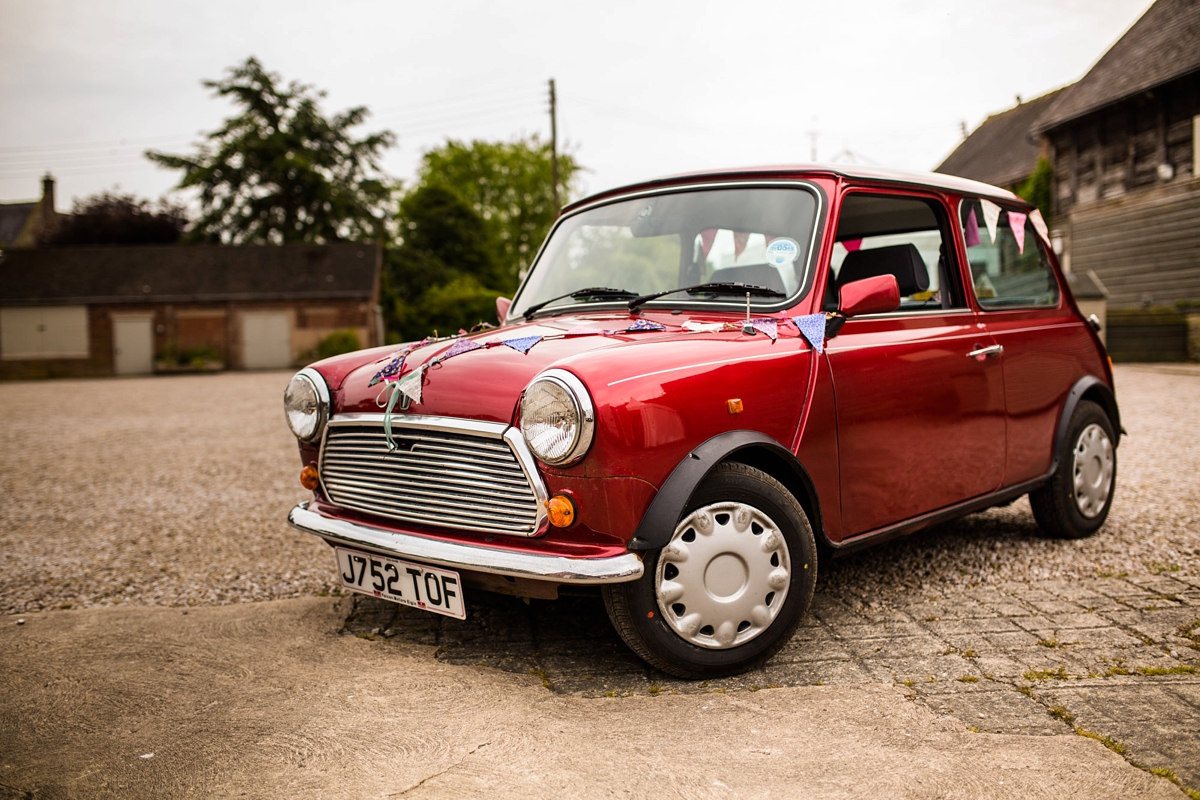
(337, 343)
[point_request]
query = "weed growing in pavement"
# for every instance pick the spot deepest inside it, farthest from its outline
(1107, 741)
(1111, 671)
(970, 652)
(1060, 712)
(967, 679)
(1158, 567)
(910, 683)
(1051, 642)
(654, 689)
(1046, 674)
(1025, 690)
(1179, 669)
(538, 672)
(1112, 574)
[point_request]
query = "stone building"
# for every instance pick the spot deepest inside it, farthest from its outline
(86, 311)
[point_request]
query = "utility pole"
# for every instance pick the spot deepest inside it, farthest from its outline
(553, 148)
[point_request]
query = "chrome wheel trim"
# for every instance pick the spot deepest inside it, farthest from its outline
(724, 576)
(1093, 475)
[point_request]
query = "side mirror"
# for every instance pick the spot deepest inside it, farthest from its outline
(502, 306)
(876, 295)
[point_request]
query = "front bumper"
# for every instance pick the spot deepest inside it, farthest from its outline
(555, 569)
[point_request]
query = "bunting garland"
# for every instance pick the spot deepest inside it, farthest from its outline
(522, 344)
(812, 327)
(991, 215)
(1016, 223)
(1039, 225)
(766, 325)
(459, 347)
(645, 325)
(971, 229)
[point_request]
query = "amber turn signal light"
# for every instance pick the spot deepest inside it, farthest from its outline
(561, 511)
(734, 405)
(309, 478)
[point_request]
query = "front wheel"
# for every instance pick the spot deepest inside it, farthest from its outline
(729, 589)
(1076, 500)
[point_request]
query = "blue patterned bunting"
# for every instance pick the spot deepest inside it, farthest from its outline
(391, 370)
(645, 325)
(523, 344)
(812, 326)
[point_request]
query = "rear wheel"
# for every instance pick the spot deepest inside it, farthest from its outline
(730, 587)
(1076, 501)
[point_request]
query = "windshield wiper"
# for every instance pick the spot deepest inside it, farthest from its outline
(600, 292)
(713, 287)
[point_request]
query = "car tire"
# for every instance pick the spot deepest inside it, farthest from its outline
(1076, 500)
(731, 586)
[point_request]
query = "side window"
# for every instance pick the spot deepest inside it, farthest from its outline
(1009, 265)
(902, 236)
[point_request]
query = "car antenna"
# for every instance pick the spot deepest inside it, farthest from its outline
(747, 326)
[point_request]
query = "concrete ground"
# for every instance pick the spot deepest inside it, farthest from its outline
(975, 660)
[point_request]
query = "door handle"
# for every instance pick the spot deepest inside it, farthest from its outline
(983, 352)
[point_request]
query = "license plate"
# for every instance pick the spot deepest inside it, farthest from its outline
(426, 588)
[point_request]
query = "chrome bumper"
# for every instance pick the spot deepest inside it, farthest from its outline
(556, 569)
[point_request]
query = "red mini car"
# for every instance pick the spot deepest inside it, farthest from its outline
(706, 383)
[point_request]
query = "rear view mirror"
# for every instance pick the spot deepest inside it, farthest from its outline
(877, 295)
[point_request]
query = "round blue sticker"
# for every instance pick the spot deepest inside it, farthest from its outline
(782, 251)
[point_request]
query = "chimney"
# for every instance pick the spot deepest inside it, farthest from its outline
(48, 211)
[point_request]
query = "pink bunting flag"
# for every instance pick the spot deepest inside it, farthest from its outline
(766, 325)
(852, 244)
(459, 347)
(522, 344)
(812, 327)
(1016, 222)
(971, 229)
(707, 236)
(739, 243)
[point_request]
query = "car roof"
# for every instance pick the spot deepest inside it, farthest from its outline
(852, 172)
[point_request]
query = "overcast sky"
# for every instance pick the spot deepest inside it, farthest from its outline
(645, 88)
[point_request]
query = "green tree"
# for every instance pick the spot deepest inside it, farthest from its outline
(111, 218)
(442, 275)
(508, 184)
(1038, 188)
(280, 170)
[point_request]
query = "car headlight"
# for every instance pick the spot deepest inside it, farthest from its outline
(306, 404)
(557, 418)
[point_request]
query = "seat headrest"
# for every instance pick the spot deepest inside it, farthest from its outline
(757, 274)
(902, 260)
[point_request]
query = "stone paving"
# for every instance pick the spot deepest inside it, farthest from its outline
(1116, 658)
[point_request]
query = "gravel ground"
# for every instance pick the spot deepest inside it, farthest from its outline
(174, 491)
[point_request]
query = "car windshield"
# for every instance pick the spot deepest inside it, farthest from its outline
(757, 236)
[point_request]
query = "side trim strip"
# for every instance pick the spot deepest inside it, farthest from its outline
(556, 569)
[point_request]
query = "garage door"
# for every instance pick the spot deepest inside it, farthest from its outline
(266, 339)
(133, 345)
(43, 332)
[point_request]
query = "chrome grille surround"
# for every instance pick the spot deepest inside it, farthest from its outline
(460, 474)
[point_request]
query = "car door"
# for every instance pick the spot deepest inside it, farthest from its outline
(919, 392)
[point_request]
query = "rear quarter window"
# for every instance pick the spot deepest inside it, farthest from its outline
(1008, 260)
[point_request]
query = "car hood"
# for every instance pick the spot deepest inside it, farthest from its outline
(486, 383)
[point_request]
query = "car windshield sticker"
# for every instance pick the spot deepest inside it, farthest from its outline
(522, 344)
(782, 251)
(768, 326)
(971, 229)
(1016, 222)
(1039, 225)
(645, 325)
(812, 326)
(991, 215)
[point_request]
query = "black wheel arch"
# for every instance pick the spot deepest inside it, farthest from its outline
(747, 447)
(1090, 388)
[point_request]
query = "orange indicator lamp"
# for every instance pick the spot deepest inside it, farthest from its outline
(561, 511)
(734, 405)
(309, 478)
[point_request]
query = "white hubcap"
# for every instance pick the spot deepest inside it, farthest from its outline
(724, 576)
(1093, 470)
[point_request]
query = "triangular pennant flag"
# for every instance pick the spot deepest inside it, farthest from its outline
(645, 325)
(851, 244)
(1016, 223)
(691, 326)
(1039, 225)
(707, 236)
(812, 326)
(991, 215)
(390, 371)
(410, 384)
(459, 347)
(971, 229)
(768, 326)
(522, 344)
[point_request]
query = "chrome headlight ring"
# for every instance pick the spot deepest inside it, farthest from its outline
(306, 404)
(558, 418)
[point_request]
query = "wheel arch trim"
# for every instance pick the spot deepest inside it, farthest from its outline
(747, 447)
(1086, 388)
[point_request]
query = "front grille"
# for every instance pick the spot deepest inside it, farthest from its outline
(454, 480)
